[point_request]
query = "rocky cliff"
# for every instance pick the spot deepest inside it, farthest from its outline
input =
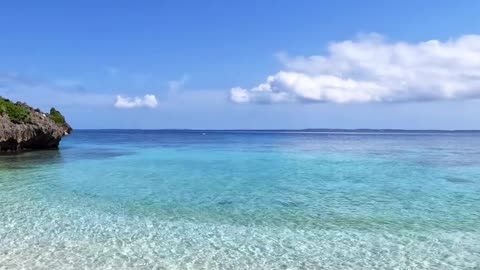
(25, 128)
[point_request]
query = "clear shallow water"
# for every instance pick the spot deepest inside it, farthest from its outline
(233, 200)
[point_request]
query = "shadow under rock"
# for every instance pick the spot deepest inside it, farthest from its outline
(27, 160)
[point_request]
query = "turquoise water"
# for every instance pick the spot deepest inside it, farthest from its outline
(243, 200)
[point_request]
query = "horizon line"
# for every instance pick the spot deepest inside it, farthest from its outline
(286, 129)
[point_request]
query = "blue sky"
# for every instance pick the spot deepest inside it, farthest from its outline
(190, 56)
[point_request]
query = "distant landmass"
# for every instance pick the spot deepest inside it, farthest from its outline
(25, 128)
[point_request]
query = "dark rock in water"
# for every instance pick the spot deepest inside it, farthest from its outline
(225, 202)
(458, 180)
(25, 128)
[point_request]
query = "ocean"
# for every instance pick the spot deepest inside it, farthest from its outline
(182, 199)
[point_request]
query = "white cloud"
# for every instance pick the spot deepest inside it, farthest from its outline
(147, 101)
(371, 69)
(239, 95)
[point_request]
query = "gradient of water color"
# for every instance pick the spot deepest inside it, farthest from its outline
(244, 200)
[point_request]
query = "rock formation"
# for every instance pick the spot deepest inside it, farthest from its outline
(25, 128)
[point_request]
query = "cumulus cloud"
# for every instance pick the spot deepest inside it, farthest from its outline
(147, 101)
(372, 69)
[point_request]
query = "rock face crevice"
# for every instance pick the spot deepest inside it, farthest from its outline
(39, 132)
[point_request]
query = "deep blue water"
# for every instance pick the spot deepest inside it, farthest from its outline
(131, 199)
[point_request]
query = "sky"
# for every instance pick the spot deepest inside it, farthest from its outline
(245, 64)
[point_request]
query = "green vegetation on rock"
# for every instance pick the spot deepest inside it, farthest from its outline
(57, 117)
(16, 112)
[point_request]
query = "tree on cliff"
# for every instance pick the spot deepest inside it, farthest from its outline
(16, 112)
(56, 116)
